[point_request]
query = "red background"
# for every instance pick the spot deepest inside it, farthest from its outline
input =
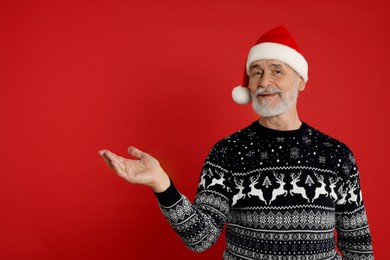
(79, 76)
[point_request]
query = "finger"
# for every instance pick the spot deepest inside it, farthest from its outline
(120, 159)
(121, 165)
(117, 168)
(135, 152)
(105, 158)
(111, 156)
(101, 152)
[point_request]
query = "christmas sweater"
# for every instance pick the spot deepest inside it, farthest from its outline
(281, 195)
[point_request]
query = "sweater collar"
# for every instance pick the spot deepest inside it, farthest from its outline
(280, 133)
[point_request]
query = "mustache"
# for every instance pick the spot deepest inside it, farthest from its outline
(267, 90)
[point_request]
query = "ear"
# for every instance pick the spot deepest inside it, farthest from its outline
(301, 84)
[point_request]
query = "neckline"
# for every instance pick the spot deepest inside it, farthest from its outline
(280, 133)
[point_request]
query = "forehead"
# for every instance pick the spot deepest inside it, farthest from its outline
(268, 64)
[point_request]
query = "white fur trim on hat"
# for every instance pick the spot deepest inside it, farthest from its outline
(280, 52)
(241, 95)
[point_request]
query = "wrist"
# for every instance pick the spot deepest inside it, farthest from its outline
(169, 197)
(162, 184)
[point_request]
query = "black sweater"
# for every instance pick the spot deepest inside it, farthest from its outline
(281, 194)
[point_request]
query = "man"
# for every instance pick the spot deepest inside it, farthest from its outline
(280, 186)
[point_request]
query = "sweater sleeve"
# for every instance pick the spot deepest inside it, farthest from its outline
(199, 224)
(354, 238)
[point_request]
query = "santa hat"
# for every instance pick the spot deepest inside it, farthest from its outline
(277, 44)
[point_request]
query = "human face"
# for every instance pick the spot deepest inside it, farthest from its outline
(274, 87)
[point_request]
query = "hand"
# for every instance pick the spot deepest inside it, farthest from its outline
(145, 171)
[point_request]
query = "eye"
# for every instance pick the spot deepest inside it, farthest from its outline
(257, 73)
(278, 72)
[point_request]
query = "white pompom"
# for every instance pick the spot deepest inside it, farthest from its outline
(241, 95)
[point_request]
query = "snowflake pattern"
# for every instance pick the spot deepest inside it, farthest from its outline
(250, 153)
(322, 159)
(224, 150)
(264, 155)
(306, 140)
(351, 158)
(274, 162)
(294, 153)
(346, 169)
(327, 144)
(251, 134)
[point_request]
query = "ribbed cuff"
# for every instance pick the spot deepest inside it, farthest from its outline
(168, 197)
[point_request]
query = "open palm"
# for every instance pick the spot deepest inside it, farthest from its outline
(145, 170)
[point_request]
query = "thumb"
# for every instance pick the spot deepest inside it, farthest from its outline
(135, 152)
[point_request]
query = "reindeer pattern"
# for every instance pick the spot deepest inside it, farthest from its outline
(274, 184)
(312, 169)
(293, 186)
(280, 190)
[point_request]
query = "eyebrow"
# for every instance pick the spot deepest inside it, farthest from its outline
(254, 66)
(274, 65)
(278, 66)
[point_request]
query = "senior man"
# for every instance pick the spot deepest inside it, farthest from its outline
(280, 186)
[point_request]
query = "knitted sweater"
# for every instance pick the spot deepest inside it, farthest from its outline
(281, 195)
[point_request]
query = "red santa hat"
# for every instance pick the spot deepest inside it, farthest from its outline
(277, 44)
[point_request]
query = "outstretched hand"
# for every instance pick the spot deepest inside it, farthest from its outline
(145, 170)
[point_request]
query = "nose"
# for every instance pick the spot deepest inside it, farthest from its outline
(266, 81)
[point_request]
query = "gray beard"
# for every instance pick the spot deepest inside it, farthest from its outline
(264, 109)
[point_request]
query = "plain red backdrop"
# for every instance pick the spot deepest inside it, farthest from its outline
(79, 76)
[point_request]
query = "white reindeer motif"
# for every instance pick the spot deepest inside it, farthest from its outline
(332, 185)
(217, 181)
(352, 188)
(320, 190)
(239, 195)
(202, 181)
(297, 189)
(279, 191)
(360, 197)
(254, 191)
(343, 193)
